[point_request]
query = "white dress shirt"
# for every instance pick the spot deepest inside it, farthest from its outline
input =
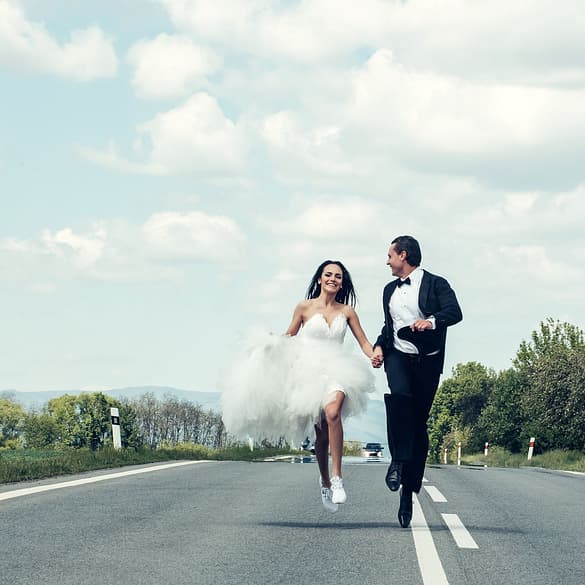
(404, 309)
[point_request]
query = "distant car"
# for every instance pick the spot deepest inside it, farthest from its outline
(372, 450)
(306, 445)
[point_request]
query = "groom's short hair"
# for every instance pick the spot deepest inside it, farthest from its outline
(409, 245)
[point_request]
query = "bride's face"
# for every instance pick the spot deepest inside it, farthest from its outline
(331, 278)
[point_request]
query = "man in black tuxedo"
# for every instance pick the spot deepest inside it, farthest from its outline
(418, 308)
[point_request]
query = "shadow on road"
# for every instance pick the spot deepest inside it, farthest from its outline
(336, 525)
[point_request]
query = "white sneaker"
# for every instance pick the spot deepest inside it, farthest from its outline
(326, 499)
(338, 495)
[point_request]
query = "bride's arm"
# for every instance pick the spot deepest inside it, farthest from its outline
(356, 328)
(297, 319)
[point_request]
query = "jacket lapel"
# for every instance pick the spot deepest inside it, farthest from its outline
(388, 293)
(423, 293)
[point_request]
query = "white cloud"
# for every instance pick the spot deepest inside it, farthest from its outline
(170, 66)
(532, 215)
(193, 235)
(330, 218)
(195, 137)
(456, 117)
(526, 265)
(85, 250)
(447, 124)
(88, 55)
(162, 248)
(294, 145)
(536, 39)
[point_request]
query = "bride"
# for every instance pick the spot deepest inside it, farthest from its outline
(283, 385)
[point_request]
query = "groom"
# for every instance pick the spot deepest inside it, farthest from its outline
(418, 308)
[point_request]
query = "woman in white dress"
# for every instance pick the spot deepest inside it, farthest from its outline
(329, 309)
(284, 385)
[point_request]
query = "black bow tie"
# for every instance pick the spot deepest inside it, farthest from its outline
(405, 281)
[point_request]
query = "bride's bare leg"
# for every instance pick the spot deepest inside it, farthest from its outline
(333, 416)
(322, 450)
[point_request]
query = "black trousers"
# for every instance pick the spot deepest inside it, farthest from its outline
(413, 381)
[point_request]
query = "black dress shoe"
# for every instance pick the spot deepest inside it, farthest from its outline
(394, 476)
(405, 509)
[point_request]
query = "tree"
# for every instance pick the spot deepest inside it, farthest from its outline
(549, 367)
(458, 405)
(40, 430)
(555, 402)
(552, 335)
(12, 416)
(502, 422)
(85, 420)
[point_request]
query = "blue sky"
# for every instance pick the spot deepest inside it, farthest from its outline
(173, 171)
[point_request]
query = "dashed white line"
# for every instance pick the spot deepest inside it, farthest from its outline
(76, 482)
(431, 568)
(460, 534)
(435, 494)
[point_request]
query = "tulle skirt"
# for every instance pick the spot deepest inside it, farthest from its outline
(277, 386)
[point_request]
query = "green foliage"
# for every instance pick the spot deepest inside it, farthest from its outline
(543, 396)
(11, 422)
(28, 464)
(502, 421)
(554, 459)
(457, 408)
(40, 430)
(556, 399)
(84, 421)
(551, 336)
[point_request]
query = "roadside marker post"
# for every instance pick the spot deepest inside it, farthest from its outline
(459, 454)
(115, 416)
(531, 448)
(445, 455)
(485, 449)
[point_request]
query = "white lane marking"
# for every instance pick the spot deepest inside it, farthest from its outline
(431, 568)
(435, 494)
(425, 480)
(75, 482)
(461, 535)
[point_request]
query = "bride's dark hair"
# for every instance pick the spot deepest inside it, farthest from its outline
(346, 294)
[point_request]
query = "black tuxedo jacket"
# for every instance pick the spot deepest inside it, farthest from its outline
(437, 298)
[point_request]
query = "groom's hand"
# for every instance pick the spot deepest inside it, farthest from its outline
(421, 325)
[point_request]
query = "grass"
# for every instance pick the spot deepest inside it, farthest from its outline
(28, 464)
(556, 459)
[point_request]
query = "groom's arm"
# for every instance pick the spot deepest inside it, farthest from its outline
(448, 311)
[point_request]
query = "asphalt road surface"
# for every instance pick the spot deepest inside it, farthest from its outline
(262, 523)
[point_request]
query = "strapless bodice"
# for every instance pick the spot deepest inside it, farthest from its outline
(317, 328)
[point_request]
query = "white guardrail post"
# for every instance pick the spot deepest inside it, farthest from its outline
(116, 428)
(531, 448)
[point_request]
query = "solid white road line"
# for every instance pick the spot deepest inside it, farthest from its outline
(76, 482)
(431, 568)
(461, 535)
(435, 494)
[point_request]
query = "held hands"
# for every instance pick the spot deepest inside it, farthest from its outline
(377, 358)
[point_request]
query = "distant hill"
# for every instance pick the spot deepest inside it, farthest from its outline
(38, 399)
(369, 427)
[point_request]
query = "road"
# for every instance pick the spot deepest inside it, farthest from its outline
(234, 523)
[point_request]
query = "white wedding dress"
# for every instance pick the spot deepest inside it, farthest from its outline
(277, 386)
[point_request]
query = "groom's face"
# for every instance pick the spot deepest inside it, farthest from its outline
(397, 262)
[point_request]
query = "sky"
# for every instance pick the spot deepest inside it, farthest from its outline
(172, 172)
